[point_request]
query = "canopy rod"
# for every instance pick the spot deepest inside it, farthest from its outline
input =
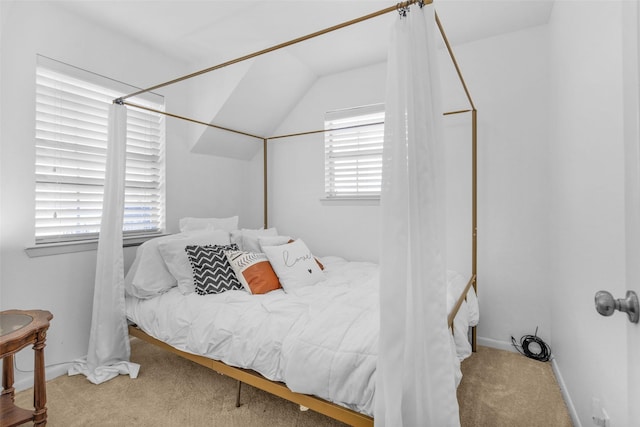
(455, 63)
(142, 107)
(455, 112)
(397, 7)
(311, 132)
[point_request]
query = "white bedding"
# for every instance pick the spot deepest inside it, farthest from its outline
(319, 340)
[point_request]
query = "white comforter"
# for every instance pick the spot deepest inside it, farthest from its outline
(321, 340)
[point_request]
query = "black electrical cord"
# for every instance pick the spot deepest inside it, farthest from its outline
(539, 351)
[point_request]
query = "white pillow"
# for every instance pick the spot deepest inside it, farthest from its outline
(280, 240)
(190, 224)
(294, 265)
(148, 276)
(250, 238)
(273, 241)
(175, 257)
(247, 239)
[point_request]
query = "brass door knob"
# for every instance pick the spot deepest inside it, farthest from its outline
(606, 305)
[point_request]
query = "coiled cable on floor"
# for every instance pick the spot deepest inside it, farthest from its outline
(533, 347)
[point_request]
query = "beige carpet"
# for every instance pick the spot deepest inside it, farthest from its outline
(503, 389)
(498, 389)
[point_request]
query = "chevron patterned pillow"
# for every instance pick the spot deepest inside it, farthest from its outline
(212, 273)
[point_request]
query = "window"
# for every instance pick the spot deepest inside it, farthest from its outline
(353, 152)
(71, 138)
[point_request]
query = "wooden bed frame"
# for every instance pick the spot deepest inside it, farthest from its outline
(280, 389)
(256, 380)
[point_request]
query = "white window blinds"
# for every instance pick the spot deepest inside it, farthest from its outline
(353, 152)
(71, 139)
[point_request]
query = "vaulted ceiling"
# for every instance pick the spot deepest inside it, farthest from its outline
(205, 33)
(216, 30)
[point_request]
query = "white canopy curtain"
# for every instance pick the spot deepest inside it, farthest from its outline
(109, 349)
(416, 381)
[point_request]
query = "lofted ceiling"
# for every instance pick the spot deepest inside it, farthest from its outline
(204, 33)
(212, 31)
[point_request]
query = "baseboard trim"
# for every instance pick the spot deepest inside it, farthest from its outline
(51, 372)
(500, 345)
(565, 395)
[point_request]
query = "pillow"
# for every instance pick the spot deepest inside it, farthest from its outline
(212, 273)
(294, 265)
(148, 276)
(280, 240)
(273, 241)
(254, 271)
(249, 238)
(175, 257)
(227, 224)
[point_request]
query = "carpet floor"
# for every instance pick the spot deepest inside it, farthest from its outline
(498, 389)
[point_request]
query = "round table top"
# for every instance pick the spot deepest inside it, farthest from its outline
(11, 322)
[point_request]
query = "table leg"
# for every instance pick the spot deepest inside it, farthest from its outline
(7, 376)
(39, 385)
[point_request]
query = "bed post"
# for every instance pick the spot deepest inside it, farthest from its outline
(474, 170)
(474, 211)
(238, 394)
(264, 181)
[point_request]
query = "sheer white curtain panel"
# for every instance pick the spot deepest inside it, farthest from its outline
(109, 350)
(416, 382)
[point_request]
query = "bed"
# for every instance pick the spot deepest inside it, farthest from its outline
(153, 316)
(315, 344)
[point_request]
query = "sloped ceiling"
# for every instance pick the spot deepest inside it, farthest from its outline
(206, 33)
(261, 100)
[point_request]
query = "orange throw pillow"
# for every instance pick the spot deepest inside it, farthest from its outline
(254, 271)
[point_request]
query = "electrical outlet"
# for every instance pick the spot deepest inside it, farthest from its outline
(599, 414)
(596, 409)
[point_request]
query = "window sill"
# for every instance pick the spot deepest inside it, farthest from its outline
(47, 249)
(351, 201)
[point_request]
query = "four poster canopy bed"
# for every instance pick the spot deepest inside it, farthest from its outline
(261, 308)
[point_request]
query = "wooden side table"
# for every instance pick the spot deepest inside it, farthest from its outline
(19, 328)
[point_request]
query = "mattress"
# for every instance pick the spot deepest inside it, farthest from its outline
(319, 340)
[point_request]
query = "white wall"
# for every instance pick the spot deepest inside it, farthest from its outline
(296, 165)
(508, 78)
(587, 187)
(63, 284)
